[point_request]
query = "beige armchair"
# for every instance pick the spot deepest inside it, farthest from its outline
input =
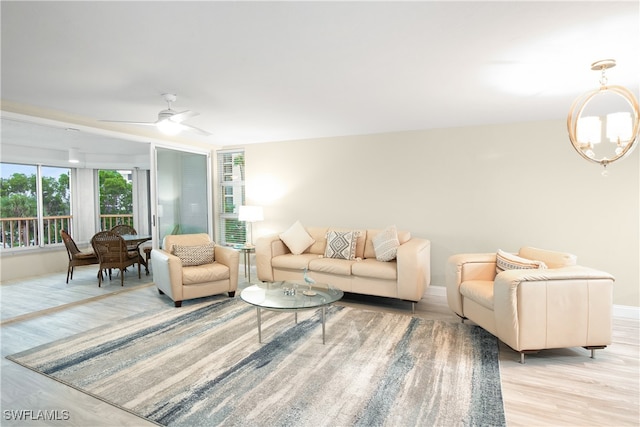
(191, 266)
(564, 305)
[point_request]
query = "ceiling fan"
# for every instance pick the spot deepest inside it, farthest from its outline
(170, 122)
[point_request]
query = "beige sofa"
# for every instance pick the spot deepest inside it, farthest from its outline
(564, 305)
(405, 277)
(204, 277)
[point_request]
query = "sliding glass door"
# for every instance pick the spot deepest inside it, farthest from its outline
(181, 192)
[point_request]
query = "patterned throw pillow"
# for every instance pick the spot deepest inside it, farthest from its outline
(297, 239)
(386, 244)
(194, 255)
(341, 244)
(507, 261)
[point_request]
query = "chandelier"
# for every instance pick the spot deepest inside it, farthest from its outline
(603, 123)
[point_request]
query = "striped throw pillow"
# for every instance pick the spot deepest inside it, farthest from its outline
(507, 261)
(386, 243)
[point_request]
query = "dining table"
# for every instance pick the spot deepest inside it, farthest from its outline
(135, 240)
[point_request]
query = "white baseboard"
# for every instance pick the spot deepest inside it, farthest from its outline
(436, 290)
(626, 312)
(623, 311)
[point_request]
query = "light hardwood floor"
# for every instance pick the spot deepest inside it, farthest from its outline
(555, 387)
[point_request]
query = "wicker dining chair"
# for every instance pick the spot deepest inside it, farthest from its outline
(112, 252)
(76, 256)
(121, 229)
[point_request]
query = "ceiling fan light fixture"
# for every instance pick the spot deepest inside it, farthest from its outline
(169, 127)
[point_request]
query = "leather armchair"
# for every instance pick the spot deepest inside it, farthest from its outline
(565, 305)
(182, 283)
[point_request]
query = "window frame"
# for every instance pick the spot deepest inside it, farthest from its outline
(230, 189)
(48, 239)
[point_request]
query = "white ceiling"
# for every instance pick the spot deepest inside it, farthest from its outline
(267, 71)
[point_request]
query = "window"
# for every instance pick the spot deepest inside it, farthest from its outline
(35, 205)
(231, 197)
(116, 198)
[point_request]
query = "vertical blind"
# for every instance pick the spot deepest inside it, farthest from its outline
(231, 196)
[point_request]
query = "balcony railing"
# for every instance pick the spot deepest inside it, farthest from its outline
(23, 232)
(107, 222)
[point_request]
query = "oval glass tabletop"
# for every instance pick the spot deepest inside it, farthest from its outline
(290, 295)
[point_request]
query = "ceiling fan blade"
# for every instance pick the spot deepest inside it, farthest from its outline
(130, 123)
(195, 129)
(184, 115)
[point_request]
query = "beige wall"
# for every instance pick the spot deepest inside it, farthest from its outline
(29, 263)
(472, 189)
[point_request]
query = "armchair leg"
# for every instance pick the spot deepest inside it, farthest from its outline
(232, 294)
(593, 349)
(523, 352)
(178, 303)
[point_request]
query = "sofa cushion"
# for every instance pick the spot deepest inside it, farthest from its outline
(332, 266)
(296, 238)
(293, 262)
(375, 269)
(341, 244)
(194, 255)
(185, 240)
(385, 244)
(553, 259)
(480, 291)
(319, 234)
(204, 273)
(507, 261)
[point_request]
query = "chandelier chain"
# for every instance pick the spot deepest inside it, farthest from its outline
(603, 77)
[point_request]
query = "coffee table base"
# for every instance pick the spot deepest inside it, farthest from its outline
(259, 314)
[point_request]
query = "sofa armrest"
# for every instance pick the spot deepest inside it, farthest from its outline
(463, 267)
(414, 268)
(167, 273)
(231, 258)
(268, 247)
(553, 308)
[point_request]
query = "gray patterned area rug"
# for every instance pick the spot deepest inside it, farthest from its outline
(202, 365)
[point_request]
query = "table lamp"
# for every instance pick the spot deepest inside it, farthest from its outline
(250, 214)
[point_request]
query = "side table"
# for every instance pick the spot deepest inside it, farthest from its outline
(246, 250)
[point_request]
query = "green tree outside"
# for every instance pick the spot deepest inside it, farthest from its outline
(18, 196)
(116, 193)
(18, 199)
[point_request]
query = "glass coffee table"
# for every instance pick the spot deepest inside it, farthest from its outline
(290, 296)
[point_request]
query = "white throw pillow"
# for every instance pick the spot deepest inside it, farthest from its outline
(507, 261)
(195, 255)
(341, 244)
(386, 244)
(297, 239)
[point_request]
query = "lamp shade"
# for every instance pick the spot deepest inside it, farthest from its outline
(619, 127)
(589, 129)
(250, 213)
